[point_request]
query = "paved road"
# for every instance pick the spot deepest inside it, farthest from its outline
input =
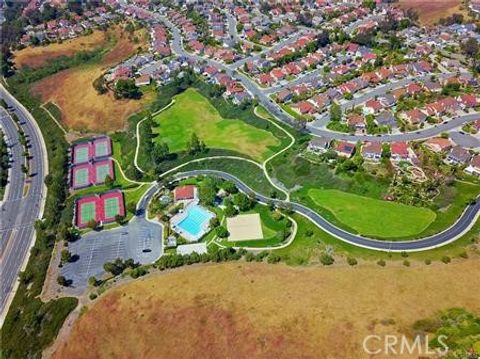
(95, 248)
(465, 222)
(19, 212)
(314, 128)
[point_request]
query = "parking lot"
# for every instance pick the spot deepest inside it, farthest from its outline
(140, 240)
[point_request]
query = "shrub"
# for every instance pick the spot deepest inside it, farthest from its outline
(352, 261)
(382, 263)
(249, 257)
(406, 263)
(273, 258)
(326, 259)
(93, 296)
(463, 255)
(428, 262)
(446, 259)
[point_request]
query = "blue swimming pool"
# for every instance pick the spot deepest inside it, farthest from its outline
(195, 221)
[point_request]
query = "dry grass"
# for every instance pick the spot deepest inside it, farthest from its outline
(241, 310)
(430, 11)
(35, 57)
(81, 106)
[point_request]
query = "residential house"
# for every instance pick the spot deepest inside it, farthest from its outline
(356, 122)
(468, 100)
(474, 166)
(372, 106)
(304, 108)
(318, 145)
(414, 117)
(372, 151)
(438, 144)
(284, 95)
(385, 118)
(458, 156)
(344, 149)
(400, 151)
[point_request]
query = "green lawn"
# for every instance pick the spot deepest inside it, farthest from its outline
(192, 112)
(373, 217)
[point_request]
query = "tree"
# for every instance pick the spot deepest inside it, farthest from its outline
(62, 280)
(132, 207)
(323, 39)
(222, 232)
(242, 201)
(161, 152)
(66, 256)
(119, 219)
(335, 112)
(92, 224)
(230, 210)
(126, 88)
(471, 47)
(214, 222)
(109, 182)
(99, 85)
(92, 281)
(230, 187)
(369, 4)
(195, 145)
(207, 194)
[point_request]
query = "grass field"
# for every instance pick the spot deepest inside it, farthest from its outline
(39, 56)
(82, 108)
(373, 217)
(430, 11)
(192, 113)
(271, 311)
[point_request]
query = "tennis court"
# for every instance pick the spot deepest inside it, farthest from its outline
(80, 177)
(81, 154)
(101, 172)
(87, 212)
(111, 207)
(102, 147)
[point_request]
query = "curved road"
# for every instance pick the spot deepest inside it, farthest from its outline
(23, 204)
(463, 224)
(315, 127)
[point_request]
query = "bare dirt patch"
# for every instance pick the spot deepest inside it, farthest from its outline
(81, 106)
(39, 56)
(430, 11)
(241, 310)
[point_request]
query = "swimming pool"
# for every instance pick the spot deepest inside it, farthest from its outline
(194, 222)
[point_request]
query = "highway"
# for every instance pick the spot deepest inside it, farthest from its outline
(24, 200)
(463, 224)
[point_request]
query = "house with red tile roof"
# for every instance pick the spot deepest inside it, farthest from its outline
(413, 89)
(344, 149)
(356, 121)
(372, 151)
(400, 151)
(372, 106)
(185, 193)
(266, 79)
(304, 108)
(438, 144)
(468, 100)
(414, 117)
(277, 74)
